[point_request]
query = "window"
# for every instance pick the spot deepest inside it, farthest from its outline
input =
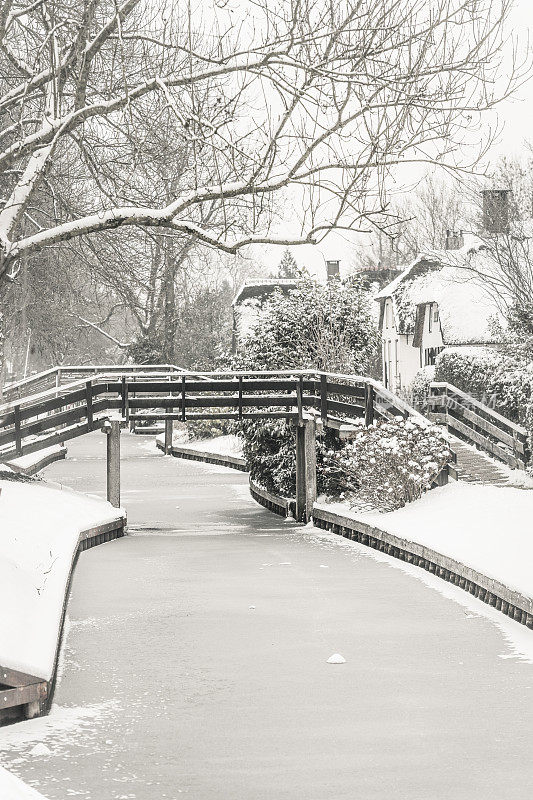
(436, 316)
(430, 320)
(430, 355)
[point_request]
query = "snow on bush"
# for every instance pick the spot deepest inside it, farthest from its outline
(418, 390)
(495, 379)
(469, 369)
(387, 465)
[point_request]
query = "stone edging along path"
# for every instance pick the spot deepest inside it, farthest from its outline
(514, 604)
(26, 696)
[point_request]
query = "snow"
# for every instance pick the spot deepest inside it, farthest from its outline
(487, 528)
(221, 445)
(454, 282)
(516, 635)
(39, 530)
(229, 445)
(465, 307)
(336, 658)
(12, 788)
(27, 462)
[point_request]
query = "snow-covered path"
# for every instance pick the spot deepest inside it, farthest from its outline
(196, 666)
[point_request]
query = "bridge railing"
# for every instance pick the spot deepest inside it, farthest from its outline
(59, 376)
(66, 411)
(479, 424)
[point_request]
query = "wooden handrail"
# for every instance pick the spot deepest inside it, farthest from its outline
(477, 404)
(479, 424)
(35, 421)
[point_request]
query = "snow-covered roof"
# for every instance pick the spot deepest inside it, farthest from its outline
(449, 278)
(263, 286)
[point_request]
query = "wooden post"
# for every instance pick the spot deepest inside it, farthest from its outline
(112, 428)
(310, 467)
(123, 397)
(324, 399)
(18, 436)
(183, 417)
(305, 469)
(299, 399)
(169, 425)
(369, 404)
(442, 477)
(240, 396)
(89, 401)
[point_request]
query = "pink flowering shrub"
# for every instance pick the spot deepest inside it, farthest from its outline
(387, 465)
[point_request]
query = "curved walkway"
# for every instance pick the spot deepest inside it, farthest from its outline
(196, 661)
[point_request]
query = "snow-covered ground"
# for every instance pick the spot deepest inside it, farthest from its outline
(488, 528)
(12, 788)
(39, 529)
(221, 445)
(25, 463)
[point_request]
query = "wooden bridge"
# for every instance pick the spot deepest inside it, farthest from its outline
(106, 398)
(66, 402)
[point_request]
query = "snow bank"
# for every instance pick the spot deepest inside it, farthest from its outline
(25, 463)
(221, 445)
(12, 788)
(487, 528)
(39, 530)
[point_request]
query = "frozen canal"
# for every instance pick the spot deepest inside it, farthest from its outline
(195, 662)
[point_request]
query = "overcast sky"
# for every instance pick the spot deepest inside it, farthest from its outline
(515, 116)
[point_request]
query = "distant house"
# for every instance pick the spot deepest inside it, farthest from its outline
(437, 301)
(249, 300)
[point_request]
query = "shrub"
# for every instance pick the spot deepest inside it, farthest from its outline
(497, 380)
(418, 390)
(270, 452)
(314, 326)
(209, 428)
(389, 464)
(468, 369)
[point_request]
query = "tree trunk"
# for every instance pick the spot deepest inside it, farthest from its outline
(169, 314)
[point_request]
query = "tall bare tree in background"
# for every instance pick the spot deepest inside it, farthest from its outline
(313, 96)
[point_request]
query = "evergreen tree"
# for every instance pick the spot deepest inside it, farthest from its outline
(288, 268)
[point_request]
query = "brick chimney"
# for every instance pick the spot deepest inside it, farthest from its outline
(333, 270)
(496, 210)
(454, 240)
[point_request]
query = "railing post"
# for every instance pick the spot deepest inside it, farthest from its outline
(183, 399)
(169, 427)
(112, 429)
(369, 404)
(443, 476)
(299, 399)
(18, 436)
(89, 401)
(324, 399)
(306, 489)
(240, 397)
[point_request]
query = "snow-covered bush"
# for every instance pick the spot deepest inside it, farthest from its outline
(495, 379)
(387, 465)
(324, 327)
(327, 327)
(417, 392)
(270, 453)
(469, 369)
(209, 428)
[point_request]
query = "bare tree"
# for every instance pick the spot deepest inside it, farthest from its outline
(310, 99)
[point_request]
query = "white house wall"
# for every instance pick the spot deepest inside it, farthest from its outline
(401, 361)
